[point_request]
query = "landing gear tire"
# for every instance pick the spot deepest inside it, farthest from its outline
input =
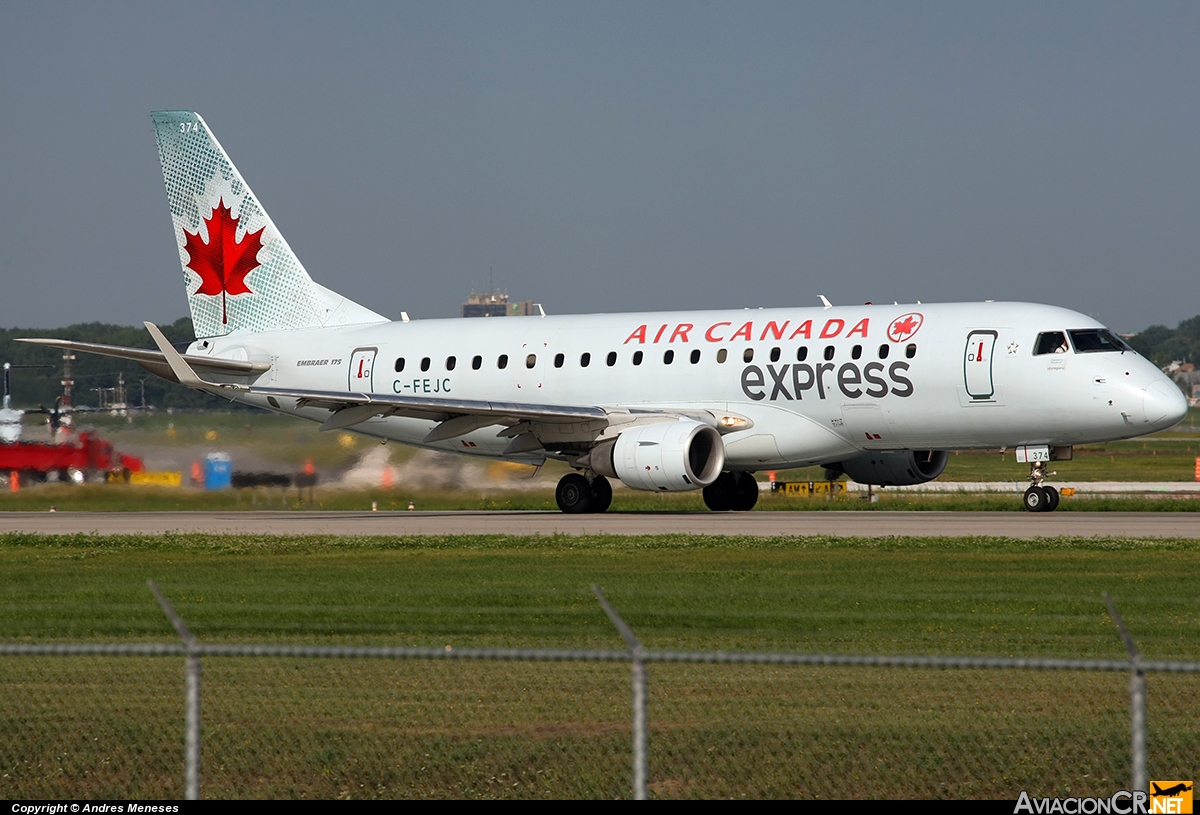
(747, 492)
(1037, 499)
(732, 491)
(1052, 499)
(720, 495)
(573, 494)
(601, 494)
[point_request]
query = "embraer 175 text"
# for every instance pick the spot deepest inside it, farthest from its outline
(667, 401)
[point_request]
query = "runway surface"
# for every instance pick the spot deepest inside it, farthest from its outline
(765, 524)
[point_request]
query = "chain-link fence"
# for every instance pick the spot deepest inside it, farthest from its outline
(119, 720)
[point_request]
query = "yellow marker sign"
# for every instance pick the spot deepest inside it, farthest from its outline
(806, 488)
(157, 479)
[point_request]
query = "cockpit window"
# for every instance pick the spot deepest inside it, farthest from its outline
(1050, 342)
(1094, 340)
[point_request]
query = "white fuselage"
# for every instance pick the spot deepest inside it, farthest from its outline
(818, 385)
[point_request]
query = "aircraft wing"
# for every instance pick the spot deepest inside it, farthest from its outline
(352, 408)
(154, 361)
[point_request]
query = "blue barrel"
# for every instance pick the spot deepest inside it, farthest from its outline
(217, 471)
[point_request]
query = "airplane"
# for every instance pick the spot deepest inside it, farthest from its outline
(10, 417)
(1172, 791)
(662, 401)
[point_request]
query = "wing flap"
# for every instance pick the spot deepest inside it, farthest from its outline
(439, 409)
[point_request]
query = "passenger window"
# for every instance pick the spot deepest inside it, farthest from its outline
(502, 361)
(450, 363)
(722, 355)
(802, 353)
(695, 356)
(775, 354)
(910, 350)
(531, 360)
(612, 359)
(668, 357)
(828, 352)
(476, 362)
(399, 364)
(748, 355)
(884, 350)
(585, 360)
(637, 357)
(558, 360)
(856, 352)
(425, 364)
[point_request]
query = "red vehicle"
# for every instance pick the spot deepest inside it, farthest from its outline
(69, 456)
(81, 456)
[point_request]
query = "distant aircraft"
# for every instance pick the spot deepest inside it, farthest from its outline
(664, 401)
(10, 417)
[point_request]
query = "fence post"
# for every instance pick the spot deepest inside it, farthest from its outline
(191, 746)
(639, 695)
(1137, 699)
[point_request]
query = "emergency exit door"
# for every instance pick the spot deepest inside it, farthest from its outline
(977, 364)
(362, 362)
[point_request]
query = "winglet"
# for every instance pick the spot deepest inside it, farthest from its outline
(183, 372)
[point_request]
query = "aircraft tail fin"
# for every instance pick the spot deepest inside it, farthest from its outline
(240, 273)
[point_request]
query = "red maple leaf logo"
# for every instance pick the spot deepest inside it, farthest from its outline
(905, 326)
(223, 262)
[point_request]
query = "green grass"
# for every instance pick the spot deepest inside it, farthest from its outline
(111, 727)
(918, 595)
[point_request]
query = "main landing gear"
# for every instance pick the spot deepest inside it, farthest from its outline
(732, 491)
(1039, 497)
(577, 494)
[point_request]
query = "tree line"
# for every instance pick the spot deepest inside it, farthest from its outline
(1162, 345)
(41, 385)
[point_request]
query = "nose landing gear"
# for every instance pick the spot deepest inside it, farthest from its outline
(1040, 498)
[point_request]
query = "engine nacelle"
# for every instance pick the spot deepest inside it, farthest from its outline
(663, 457)
(894, 469)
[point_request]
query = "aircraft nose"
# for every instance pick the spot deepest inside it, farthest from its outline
(1163, 404)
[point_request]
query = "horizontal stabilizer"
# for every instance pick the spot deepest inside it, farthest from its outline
(157, 359)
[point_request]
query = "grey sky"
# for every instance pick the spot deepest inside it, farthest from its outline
(618, 156)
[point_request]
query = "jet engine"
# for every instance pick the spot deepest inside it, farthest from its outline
(898, 469)
(663, 457)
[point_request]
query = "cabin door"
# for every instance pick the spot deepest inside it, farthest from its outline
(362, 363)
(977, 364)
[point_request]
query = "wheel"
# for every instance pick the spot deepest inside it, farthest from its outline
(1051, 499)
(573, 494)
(719, 496)
(1036, 499)
(747, 492)
(601, 494)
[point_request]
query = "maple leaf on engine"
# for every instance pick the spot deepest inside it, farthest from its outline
(223, 262)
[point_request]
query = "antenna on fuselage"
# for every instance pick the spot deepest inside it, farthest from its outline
(825, 301)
